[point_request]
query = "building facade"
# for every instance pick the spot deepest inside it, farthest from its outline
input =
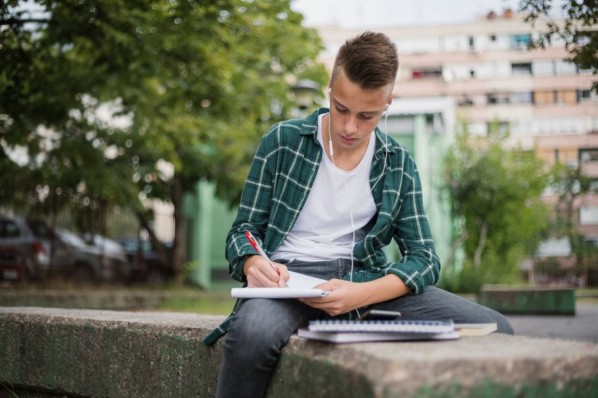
(488, 67)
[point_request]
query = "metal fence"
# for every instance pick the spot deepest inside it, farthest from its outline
(114, 223)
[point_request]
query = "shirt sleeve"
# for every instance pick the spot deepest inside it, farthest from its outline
(401, 217)
(254, 208)
(419, 265)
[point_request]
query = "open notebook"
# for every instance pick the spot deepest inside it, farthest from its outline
(299, 285)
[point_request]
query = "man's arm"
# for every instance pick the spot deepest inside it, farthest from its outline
(253, 212)
(401, 208)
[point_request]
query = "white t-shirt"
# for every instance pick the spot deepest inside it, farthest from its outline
(338, 203)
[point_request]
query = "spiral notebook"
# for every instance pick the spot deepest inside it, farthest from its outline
(345, 331)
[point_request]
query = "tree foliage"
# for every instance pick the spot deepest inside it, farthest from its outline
(579, 29)
(112, 101)
(570, 184)
(495, 195)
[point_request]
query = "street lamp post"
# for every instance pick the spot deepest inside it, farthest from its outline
(304, 93)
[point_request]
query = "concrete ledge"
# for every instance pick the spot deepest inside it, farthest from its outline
(528, 300)
(93, 353)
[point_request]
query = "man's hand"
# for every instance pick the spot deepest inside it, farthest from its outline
(259, 273)
(344, 296)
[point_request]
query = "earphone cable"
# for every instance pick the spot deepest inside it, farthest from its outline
(372, 189)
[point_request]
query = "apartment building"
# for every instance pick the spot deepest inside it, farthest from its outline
(487, 66)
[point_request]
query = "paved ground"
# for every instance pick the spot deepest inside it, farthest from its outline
(583, 326)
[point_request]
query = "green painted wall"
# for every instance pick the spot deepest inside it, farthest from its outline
(427, 148)
(208, 221)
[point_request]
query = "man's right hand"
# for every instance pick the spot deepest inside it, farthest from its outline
(259, 273)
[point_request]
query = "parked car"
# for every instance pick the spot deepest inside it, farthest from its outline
(12, 265)
(113, 253)
(30, 249)
(144, 261)
(98, 259)
(26, 247)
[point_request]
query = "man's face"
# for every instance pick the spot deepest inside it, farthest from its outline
(355, 111)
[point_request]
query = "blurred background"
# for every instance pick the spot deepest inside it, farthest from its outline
(127, 128)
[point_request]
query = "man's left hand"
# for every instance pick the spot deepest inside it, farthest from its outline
(344, 296)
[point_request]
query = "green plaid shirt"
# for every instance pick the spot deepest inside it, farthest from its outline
(280, 178)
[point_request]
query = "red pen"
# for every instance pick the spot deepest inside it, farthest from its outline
(262, 253)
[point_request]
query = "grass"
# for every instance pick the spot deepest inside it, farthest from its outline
(215, 301)
(587, 296)
(204, 304)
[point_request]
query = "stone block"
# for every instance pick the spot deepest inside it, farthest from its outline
(93, 353)
(528, 300)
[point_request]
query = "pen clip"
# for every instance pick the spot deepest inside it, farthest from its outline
(251, 240)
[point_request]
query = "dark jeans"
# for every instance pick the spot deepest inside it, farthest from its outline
(262, 327)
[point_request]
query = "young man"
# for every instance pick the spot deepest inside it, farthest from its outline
(324, 195)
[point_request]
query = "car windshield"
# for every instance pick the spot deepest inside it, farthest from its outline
(40, 229)
(8, 229)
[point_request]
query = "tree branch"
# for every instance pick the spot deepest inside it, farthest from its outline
(477, 258)
(18, 21)
(448, 263)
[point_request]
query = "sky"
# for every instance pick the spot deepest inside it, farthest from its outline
(378, 13)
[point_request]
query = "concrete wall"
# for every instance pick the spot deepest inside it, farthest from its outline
(94, 353)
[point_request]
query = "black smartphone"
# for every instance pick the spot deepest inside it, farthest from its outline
(380, 315)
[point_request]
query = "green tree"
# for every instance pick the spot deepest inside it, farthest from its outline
(570, 183)
(495, 194)
(578, 30)
(102, 94)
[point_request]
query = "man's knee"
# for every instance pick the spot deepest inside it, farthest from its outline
(258, 323)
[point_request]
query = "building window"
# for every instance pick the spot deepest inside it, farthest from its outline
(543, 68)
(523, 97)
(492, 38)
(520, 42)
(588, 155)
(565, 96)
(426, 73)
(564, 68)
(518, 69)
(584, 95)
(543, 97)
(465, 101)
(497, 98)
